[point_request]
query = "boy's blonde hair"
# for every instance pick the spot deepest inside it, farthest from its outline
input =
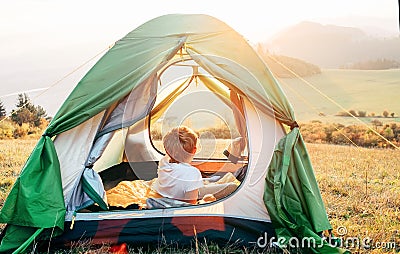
(179, 143)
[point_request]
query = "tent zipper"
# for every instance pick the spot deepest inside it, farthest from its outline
(73, 220)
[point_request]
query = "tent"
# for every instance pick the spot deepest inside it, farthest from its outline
(102, 134)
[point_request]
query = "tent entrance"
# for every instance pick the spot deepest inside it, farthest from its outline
(186, 95)
(204, 104)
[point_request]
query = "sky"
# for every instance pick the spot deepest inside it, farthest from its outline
(41, 41)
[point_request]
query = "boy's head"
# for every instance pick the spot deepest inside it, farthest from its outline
(180, 144)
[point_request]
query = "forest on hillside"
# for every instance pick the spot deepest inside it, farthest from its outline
(286, 67)
(377, 64)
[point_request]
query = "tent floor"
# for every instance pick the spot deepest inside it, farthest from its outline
(167, 231)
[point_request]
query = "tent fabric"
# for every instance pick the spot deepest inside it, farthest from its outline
(238, 112)
(124, 136)
(262, 132)
(122, 68)
(98, 148)
(15, 235)
(133, 107)
(66, 148)
(37, 195)
(292, 196)
(93, 187)
(163, 105)
(36, 200)
(113, 153)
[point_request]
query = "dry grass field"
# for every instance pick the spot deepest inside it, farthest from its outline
(13, 155)
(361, 191)
(360, 188)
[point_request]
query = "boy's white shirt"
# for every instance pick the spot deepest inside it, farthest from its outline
(176, 179)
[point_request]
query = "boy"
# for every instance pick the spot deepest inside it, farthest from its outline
(177, 179)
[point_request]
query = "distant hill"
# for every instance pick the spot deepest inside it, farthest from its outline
(284, 66)
(330, 46)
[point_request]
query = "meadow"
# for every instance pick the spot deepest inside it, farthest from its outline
(361, 191)
(360, 188)
(372, 91)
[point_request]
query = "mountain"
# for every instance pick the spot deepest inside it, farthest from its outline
(331, 46)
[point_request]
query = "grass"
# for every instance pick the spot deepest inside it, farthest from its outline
(360, 188)
(197, 247)
(13, 155)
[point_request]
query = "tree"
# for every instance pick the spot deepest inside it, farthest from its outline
(22, 116)
(40, 114)
(3, 112)
(27, 112)
(385, 113)
(362, 113)
(24, 102)
(343, 113)
(376, 123)
(392, 114)
(352, 112)
(388, 133)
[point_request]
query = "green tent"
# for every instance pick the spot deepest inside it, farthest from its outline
(69, 167)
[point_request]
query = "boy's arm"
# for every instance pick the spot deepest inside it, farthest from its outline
(192, 196)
